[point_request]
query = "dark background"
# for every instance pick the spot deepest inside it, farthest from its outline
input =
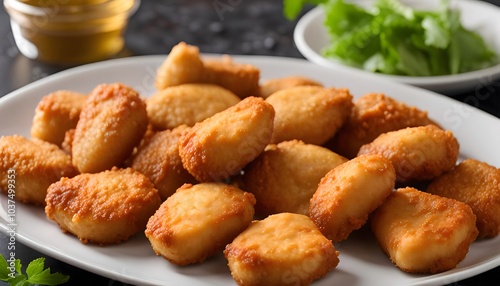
(251, 27)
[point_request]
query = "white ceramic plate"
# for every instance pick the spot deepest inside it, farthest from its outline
(311, 37)
(361, 260)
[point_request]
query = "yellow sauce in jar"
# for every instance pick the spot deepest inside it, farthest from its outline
(70, 32)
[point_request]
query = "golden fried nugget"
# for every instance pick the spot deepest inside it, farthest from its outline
(282, 249)
(417, 153)
(242, 79)
(198, 221)
(285, 176)
(31, 166)
(312, 114)
(184, 65)
(158, 158)
(187, 104)
(273, 85)
(478, 185)
(424, 233)
(349, 193)
(103, 208)
(372, 115)
(112, 123)
(221, 145)
(55, 114)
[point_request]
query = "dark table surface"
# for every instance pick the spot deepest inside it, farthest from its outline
(254, 27)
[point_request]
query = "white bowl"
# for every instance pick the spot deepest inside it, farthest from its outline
(311, 37)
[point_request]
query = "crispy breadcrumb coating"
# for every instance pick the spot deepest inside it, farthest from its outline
(103, 208)
(372, 115)
(477, 184)
(55, 114)
(187, 104)
(417, 153)
(312, 114)
(349, 193)
(285, 176)
(35, 163)
(221, 145)
(424, 233)
(282, 249)
(112, 123)
(198, 221)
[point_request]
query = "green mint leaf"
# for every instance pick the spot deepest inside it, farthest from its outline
(4, 270)
(19, 280)
(18, 266)
(35, 267)
(47, 278)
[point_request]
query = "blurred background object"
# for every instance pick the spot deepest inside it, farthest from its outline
(69, 32)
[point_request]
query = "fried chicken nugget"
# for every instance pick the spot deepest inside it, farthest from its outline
(112, 123)
(285, 176)
(424, 233)
(242, 79)
(417, 153)
(221, 145)
(55, 114)
(349, 193)
(282, 249)
(158, 158)
(184, 65)
(103, 208)
(187, 104)
(477, 184)
(312, 114)
(198, 221)
(273, 85)
(372, 115)
(31, 166)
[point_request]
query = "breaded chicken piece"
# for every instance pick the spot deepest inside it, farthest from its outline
(285, 176)
(103, 208)
(55, 114)
(35, 165)
(112, 123)
(187, 104)
(417, 153)
(372, 115)
(184, 65)
(221, 145)
(242, 79)
(312, 114)
(424, 233)
(198, 221)
(273, 85)
(158, 158)
(282, 249)
(349, 193)
(477, 184)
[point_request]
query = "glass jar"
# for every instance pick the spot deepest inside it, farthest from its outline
(69, 32)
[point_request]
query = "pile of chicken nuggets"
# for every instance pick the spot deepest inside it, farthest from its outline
(271, 173)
